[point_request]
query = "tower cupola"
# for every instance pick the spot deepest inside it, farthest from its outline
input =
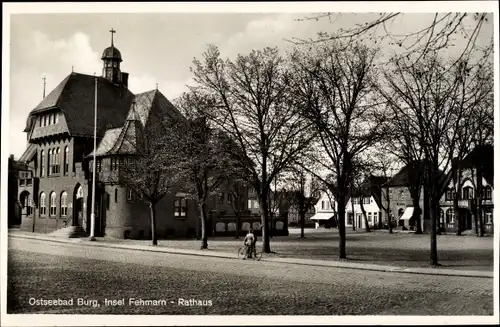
(112, 58)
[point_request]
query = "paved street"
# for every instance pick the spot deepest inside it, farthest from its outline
(44, 270)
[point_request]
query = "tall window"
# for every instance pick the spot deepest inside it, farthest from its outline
(221, 198)
(229, 198)
(489, 216)
(180, 208)
(57, 161)
(322, 205)
(467, 193)
(449, 194)
(43, 205)
(66, 160)
(56, 117)
(42, 163)
(98, 165)
(29, 205)
(52, 212)
(375, 217)
(369, 217)
(64, 204)
(487, 192)
(116, 195)
(51, 161)
(450, 216)
(45, 120)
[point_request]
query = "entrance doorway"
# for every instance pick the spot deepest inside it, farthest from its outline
(78, 206)
(467, 220)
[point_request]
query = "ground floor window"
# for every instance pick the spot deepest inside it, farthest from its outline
(375, 217)
(64, 204)
(180, 208)
(369, 217)
(52, 212)
(350, 217)
(450, 216)
(43, 204)
(489, 216)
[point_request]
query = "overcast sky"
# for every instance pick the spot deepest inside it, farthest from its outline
(156, 48)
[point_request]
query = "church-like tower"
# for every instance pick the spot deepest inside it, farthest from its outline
(112, 58)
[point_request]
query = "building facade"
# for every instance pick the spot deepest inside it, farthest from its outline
(55, 189)
(468, 195)
(325, 209)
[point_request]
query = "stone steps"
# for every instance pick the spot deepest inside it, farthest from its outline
(70, 232)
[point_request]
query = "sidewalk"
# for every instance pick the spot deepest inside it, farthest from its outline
(109, 243)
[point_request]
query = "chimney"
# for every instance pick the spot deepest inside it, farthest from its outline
(125, 79)
(12, 157)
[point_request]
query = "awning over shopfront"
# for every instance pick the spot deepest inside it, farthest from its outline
(322, 216)
(407, 214)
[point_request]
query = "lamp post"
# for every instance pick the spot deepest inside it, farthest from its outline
(92, 214)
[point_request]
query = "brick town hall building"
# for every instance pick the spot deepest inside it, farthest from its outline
(55, 190)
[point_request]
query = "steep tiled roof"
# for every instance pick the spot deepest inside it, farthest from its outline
(28, 153)
(481, 156)
(107, 142)
(145, 108)
(74, 96)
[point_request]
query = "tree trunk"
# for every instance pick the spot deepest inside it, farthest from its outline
(342, 238)
(154, 239)
(302, 222)
(415, 197)
(353, 214)
(203, 221)
(427, 209)
(238, 223)
(367, 227)
(458, 216)
(479, 209)
(266, 248)
(434, 217)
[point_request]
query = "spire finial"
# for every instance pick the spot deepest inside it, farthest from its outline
(44, 86)
(112, 31)
(72, 69)
(156, 86)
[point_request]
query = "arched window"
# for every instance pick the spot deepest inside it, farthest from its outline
(64, 204)
(58, 161)
(487, 192)
(441, 216)
(450, 216)
(467, 193)
(43, 205)
(52, 212)
(51, 160)
(42, 163)
(66, 160)
(29, 205)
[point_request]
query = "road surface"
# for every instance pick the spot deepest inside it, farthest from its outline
(84, 279)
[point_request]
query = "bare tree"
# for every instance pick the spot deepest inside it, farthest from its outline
(432, 98)
(252, 94)
(441, 32)
(302, 193)
(142, 160)
(334, 90)
(384, 164)
(203, 159)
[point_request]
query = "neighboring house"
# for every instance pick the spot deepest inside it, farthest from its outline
(56, 188)
(467, 200)
(294, 214)
(326, 213)
(14, 210)
(369, 194)
(400, 201)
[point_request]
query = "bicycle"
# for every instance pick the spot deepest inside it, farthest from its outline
(243, 251)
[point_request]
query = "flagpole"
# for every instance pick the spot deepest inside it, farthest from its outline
(92, 214)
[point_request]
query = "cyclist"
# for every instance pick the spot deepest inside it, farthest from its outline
(249, 243)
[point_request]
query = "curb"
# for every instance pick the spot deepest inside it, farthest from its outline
(303, 262)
